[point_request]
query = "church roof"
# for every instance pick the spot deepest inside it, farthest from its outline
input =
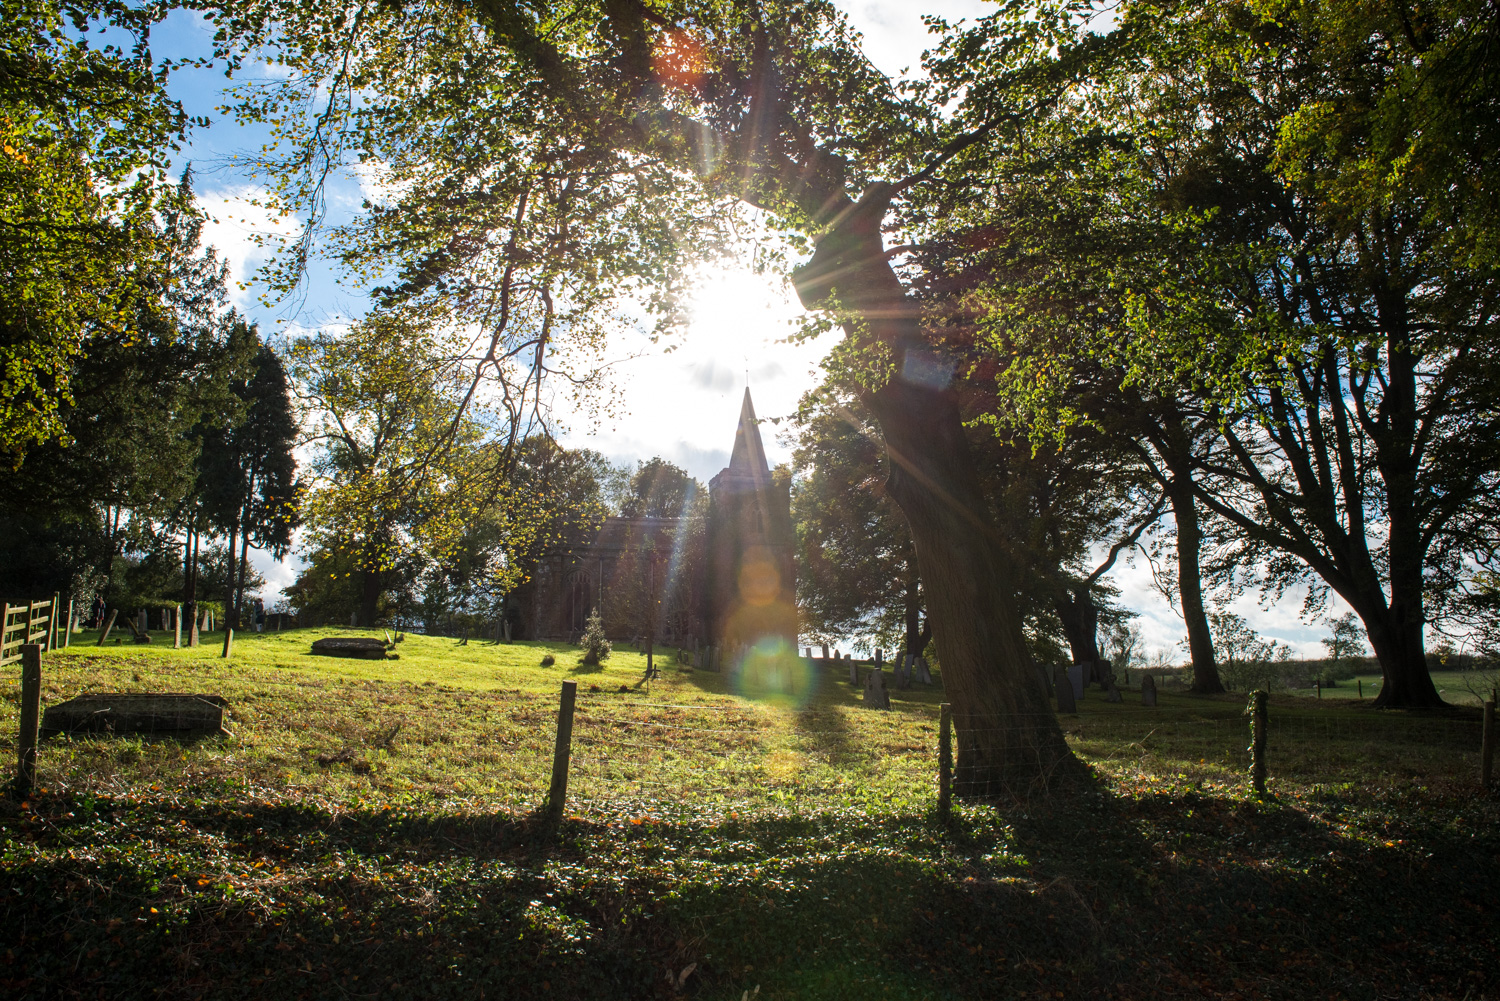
(749, 455)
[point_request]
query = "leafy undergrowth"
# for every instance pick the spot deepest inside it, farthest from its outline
(315, 854)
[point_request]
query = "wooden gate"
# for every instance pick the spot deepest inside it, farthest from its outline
(31, 622)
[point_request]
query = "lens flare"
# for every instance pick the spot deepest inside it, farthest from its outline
(679, 61)
(770, 671)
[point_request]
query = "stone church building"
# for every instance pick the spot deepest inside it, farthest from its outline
(727, 580)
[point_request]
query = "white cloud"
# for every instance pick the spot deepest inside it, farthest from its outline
(245, 234)
(894, 35)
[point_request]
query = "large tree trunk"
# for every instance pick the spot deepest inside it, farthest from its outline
(1009, 741)
(369, 603)
(1206, 679)
(239, 589)
(916, 642)
(231, 612)
(190, 581)
(1395, 632)
(1080, 622)
(1174, 445)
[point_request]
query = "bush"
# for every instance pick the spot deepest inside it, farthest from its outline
(594, 643)
(548, 660)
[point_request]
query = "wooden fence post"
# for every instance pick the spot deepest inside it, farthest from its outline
(177, 628)
(945, 761)
(557, 796)
(1257, 713)
(1487, 746)
(228, 642)
(108, 625)
(52, 624)
(72, 618)
(31, 717)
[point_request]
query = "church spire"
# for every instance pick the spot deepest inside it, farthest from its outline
(749, 454)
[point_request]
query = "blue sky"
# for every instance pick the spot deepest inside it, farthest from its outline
(739, 318)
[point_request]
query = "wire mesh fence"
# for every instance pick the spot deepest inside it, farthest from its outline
(632, 755)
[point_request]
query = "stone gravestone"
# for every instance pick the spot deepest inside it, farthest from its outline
(853, 671)
(141, 624)
(162, 714)
(903, 677)
(1063, 683)
(876, 697)
(1076, 674)
(1107, 681)
(1148, 690)
(362, 647)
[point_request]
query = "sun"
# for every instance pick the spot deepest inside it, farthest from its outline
(681, 399)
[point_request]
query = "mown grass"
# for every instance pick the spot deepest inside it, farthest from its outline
(789, 844)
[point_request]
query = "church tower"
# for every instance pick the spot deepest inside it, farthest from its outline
(752, 571)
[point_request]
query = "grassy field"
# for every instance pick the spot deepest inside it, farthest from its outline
(366, 830)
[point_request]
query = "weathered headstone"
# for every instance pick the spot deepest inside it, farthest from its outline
(853, 672)
(1076, 675)
(110, 624)
(1106, 674)
(1063, 683)
(141, 625)
(876, 697)
(362, 647)
(169, 715)
(1148, 690)
(903, 672)
(353, 619)
(825, 651)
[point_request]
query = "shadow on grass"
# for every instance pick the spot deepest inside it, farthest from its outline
(1092, 895)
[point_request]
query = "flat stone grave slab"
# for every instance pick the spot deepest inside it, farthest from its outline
(117, 713)
(363, 647)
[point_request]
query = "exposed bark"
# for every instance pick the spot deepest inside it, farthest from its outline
(1009, 741)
